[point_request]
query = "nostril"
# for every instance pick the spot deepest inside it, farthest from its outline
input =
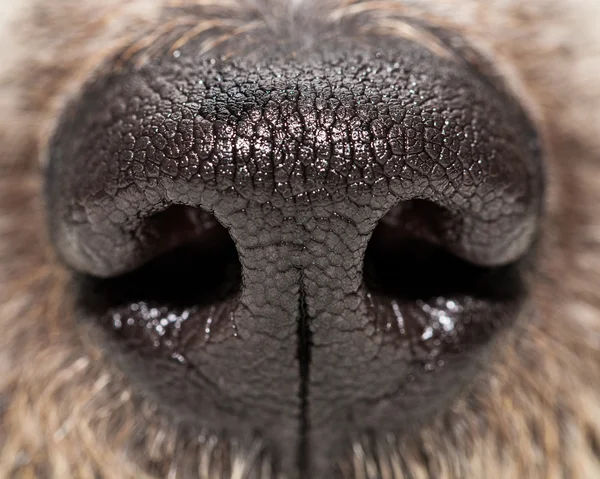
(194, 260)
(417, 219)
(406, 259)
(421, 289)
(187, 288)
(179, 226)
(412, 253)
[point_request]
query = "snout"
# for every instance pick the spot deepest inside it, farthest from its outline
(297, 243)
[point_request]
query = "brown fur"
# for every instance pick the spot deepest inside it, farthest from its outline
(536, 414)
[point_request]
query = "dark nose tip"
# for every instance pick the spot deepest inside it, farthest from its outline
(309, 138)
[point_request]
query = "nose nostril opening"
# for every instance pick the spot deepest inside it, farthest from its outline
(413, 268)
(407, 257)
(429, 296)
(195, 262)
(183, 297)
(181, 225)
(420, 219)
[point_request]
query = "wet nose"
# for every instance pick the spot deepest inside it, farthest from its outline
(300, 156)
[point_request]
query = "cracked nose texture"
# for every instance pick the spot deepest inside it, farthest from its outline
(298, 153)
(307, 134)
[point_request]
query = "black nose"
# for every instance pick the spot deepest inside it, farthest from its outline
(299, 155)
(299, 139)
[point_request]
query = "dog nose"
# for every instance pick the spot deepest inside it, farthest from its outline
(280, 153)
(301, 156)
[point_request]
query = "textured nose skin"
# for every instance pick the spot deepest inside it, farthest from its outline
(299, 154)
(293, 133)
